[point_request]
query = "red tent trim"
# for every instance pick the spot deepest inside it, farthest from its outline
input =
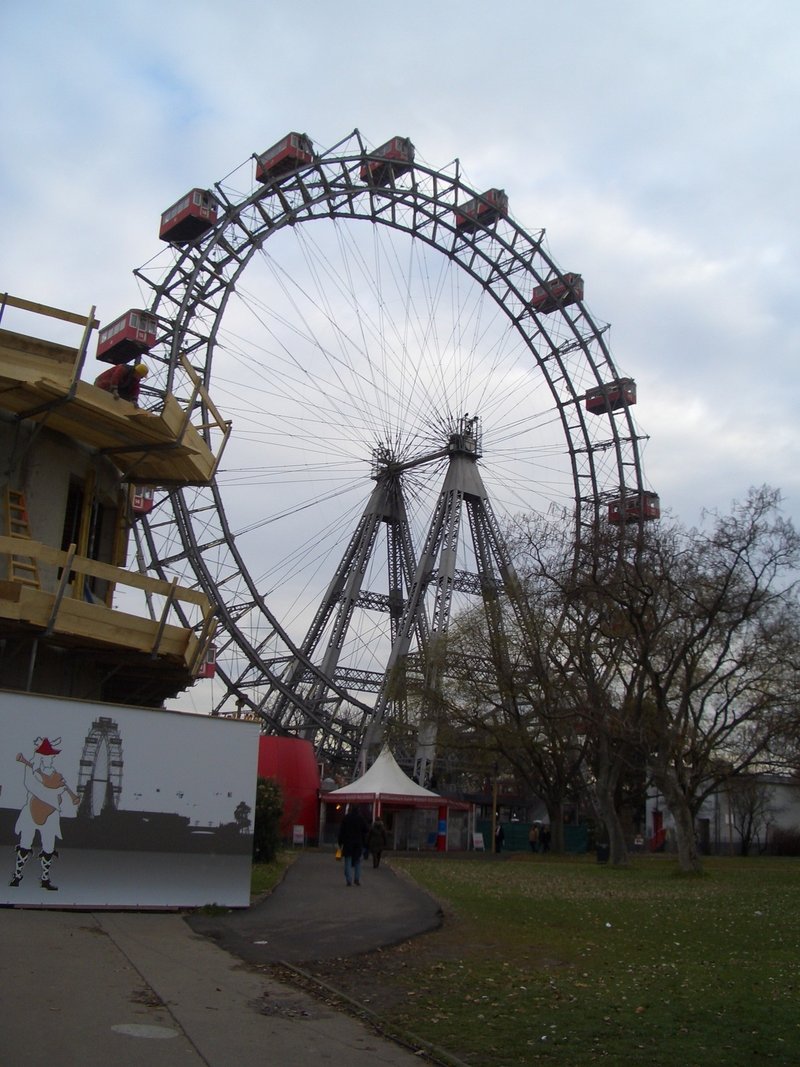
(397, 799)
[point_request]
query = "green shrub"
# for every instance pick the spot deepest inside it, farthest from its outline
(266, 830)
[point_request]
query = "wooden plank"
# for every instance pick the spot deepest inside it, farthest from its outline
(109, 627)
(10, 591)
(100, 626)
(204, 640)
(12, 345)
(164, 448)
(50, 312)
(96, 569)
(201, 389)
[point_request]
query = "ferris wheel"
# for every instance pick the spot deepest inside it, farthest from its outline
(406, 369)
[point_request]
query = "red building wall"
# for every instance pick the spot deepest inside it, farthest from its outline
(292, 763)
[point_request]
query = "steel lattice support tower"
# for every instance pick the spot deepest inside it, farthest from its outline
(345, 592)
(436, 572)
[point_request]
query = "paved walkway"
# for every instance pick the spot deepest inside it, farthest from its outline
(157, 990)
(313, 915)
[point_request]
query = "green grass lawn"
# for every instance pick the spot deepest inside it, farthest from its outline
(265, 876)
(561, 961)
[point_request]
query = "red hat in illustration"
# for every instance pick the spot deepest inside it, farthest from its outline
(45, 748)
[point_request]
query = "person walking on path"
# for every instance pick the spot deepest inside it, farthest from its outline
(352, 839)
(376, 842)
(499, 838)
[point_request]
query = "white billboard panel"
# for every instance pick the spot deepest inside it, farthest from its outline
(109, 806)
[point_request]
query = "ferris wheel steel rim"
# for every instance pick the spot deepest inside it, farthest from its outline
(501, 258)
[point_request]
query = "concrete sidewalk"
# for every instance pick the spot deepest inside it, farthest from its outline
(146, 990)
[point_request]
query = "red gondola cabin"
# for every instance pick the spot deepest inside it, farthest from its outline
(208, 668)
(389, 161)
(142, 500)
(129, 336)
(641, 507)
(291, 152)
(191, 217)
(481, 210)
(557, 293)
(609, 397)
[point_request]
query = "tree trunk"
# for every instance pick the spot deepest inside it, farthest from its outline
(604, 801)
(616, 838)
(602, 798)
(555, 813)
(689, 859)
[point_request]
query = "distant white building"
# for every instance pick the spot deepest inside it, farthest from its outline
(763, 809)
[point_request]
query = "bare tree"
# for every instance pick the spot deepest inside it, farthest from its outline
(751, 809)
(602, 686)
(515, 713)
(708, 625)
(658, 649)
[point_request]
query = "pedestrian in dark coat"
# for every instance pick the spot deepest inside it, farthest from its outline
(352, 839)
(377, 840)
(499, 838)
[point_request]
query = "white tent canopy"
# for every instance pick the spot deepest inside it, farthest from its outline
(386, 782)
(386, 787)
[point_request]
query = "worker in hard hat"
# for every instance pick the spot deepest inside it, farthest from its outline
(123, 381)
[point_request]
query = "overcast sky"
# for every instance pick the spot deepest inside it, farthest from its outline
(656, 142)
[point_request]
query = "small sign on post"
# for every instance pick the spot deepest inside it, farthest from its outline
(477, 842)
(298, 835)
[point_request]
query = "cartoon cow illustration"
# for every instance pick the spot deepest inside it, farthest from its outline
(46, 788)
